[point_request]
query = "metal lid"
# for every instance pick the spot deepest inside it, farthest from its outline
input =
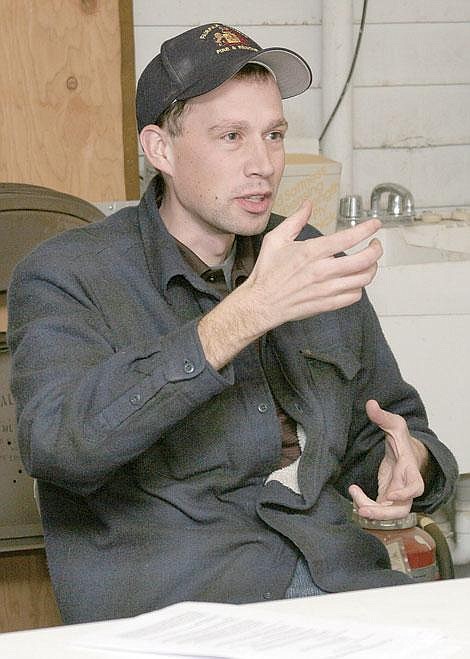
(350, 207)
(386, 524)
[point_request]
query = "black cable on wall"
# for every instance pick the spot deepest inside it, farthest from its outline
(351, 71)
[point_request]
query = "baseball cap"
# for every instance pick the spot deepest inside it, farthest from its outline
(201, 59)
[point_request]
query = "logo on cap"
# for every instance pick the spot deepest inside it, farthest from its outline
(229, 37)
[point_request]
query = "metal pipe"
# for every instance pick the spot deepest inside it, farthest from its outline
(337, 48)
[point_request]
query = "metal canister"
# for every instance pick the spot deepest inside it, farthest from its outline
(19, 516)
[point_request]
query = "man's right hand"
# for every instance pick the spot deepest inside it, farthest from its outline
(291, 280)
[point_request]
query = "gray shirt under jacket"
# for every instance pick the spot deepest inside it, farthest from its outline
(152, 466)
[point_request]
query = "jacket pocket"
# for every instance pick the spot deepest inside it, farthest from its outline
(342, 359)
(333, 381)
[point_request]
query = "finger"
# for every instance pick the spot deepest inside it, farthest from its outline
(389, 422)
(367, 507)
(291, 226)
(380, 511)
(409, 491)
(348, 265)
(361, 500)
(359, 260)
(343, 240)
(350, 283)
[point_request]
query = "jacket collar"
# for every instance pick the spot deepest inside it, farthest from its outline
(164, 259)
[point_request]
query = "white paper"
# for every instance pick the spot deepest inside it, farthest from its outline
(194, 629)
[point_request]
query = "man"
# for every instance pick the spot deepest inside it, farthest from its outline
(199, 383)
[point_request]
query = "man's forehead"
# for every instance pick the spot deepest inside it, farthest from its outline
(239, 100)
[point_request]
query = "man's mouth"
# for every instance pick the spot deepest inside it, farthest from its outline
(255, 203)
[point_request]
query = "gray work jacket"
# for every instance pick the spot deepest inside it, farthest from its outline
(152, 466)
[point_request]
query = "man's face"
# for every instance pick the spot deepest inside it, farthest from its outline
(228, 161)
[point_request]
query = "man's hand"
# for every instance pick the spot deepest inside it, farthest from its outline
(291, 280)
(400, 472)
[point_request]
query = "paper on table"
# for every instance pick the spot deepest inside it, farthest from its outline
(195, 629)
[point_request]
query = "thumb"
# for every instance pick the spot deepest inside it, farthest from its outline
(388, 421)
(290, 228)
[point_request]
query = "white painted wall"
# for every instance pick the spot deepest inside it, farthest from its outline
(412, 100)
(295, 25)
(411, 96)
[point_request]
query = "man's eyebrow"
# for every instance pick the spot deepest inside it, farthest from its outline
(233, 125)
(281, 123)
(226, 125)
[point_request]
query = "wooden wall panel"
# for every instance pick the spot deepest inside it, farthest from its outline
(26, 597)
(61, 116)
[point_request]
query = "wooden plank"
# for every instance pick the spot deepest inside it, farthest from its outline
(411, 116)
(414, 55)
(189, 13)
(418, 11)
(26, 597)
(128, 85)
(61, 117)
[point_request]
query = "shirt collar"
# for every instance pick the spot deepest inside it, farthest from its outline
(164, 258)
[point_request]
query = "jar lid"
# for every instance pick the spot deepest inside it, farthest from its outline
(386, 524)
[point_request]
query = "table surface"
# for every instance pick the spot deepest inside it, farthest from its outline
(442, 606)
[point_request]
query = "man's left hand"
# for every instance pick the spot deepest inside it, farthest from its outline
(400, 472)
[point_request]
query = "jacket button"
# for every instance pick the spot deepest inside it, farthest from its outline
(299, 407)
(262, 407)
(188, 366)
(135, 399)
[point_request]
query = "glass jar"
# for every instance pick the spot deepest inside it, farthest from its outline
(411, 549)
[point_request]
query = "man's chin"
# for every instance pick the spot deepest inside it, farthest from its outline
(253, 224)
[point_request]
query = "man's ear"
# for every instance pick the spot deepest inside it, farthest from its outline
(156, 144)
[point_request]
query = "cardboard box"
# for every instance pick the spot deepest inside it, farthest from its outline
(313, 177)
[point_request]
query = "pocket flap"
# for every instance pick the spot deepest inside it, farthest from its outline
(342, 358)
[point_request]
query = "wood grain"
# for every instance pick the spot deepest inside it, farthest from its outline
(26, 597)
(61, 116)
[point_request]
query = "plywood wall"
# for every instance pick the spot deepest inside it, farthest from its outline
(67, 86)
(26, 597)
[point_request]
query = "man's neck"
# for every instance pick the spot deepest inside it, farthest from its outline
(212, 248)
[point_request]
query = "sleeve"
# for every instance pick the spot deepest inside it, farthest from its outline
(85, 408)
(381, 380)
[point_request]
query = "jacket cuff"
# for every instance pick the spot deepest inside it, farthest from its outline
(441, 475)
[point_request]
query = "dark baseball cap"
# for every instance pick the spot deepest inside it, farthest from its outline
(201, 59)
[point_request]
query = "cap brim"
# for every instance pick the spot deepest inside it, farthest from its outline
(293, 74)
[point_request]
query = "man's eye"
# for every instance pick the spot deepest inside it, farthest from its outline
(231, 137)
(275, 135)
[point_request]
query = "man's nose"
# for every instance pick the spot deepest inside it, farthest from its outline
(259, 161)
